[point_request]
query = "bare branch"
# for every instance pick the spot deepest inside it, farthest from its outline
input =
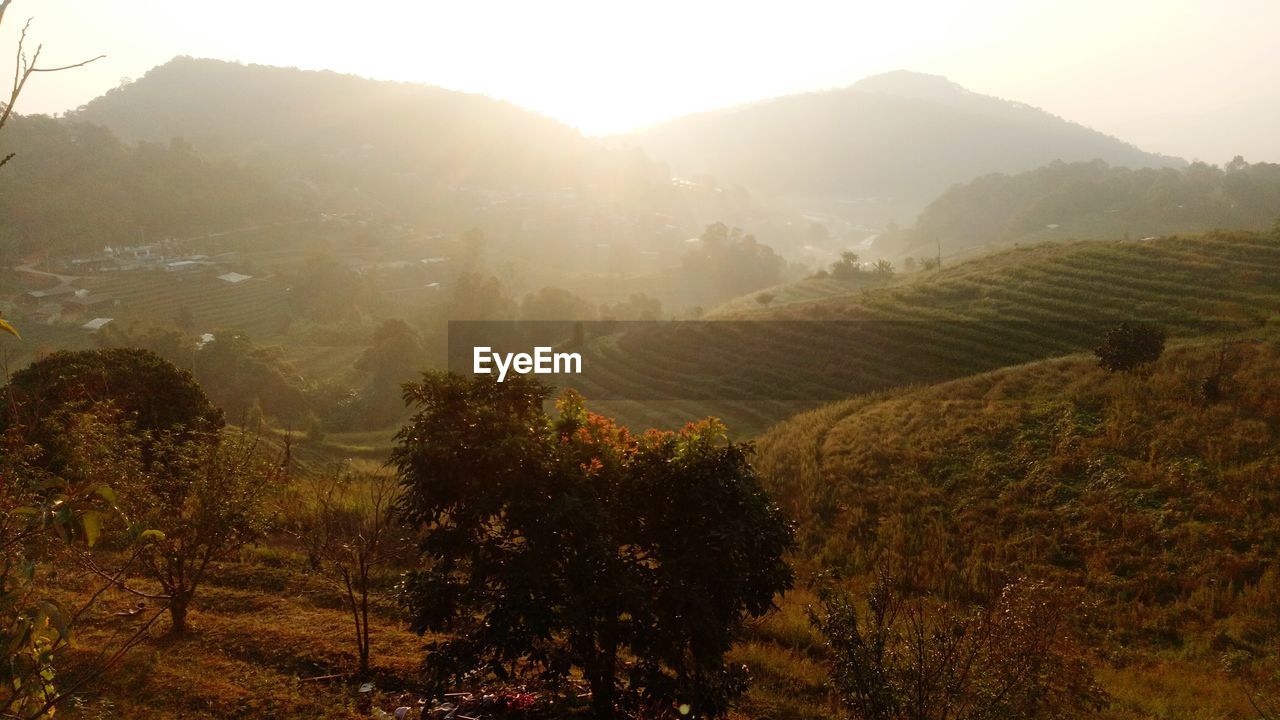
(73, 66)
(24, 68)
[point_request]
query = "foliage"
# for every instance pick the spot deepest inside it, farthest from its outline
(325, 289)
(350, 532)
(1003, 309)
(237, 372)
(847, 267)
(75, 181)
(567, 543)
(1092, 200)
(1129, 347)
(728, 262)
(45, 516)
(477, 297)
(395, 354)
(551, 303)
(148, 392)
(208, 499)
(1153, 504)
(899, 657)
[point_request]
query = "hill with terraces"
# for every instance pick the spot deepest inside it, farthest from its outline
(754, 368)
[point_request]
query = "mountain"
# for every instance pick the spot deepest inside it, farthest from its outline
(342, 120)
(365, 143)
(1092, 200)
(415, 155)
(892, 141)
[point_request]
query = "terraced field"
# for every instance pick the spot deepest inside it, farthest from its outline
(806, 290)
(755, 368)
(257, 306)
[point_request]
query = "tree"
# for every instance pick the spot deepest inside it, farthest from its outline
(1130, 347)
(765, 298)
(476, 297)
(555, 545)
(638, 306)
(899, 657)
(44, 516)
(25, 68)
(349, 533)
(236, 371)
(729, 262)
(883, 267)
(208, 498)
(148, 392)
(325, 289)
(393, 357)
(847, 267)
(552, 303)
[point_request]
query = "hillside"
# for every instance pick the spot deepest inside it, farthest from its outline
(757, 367)
(438, 160)
(1092, 200)
(1155, 501)
(381, 145)
(255, 110)
(73, 186)
(892, 141)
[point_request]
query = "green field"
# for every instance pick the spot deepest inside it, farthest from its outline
(257, 306)
(1008, 308)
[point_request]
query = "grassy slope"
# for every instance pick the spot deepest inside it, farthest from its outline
(261, 631)
(1003, 309)
(1162, 507)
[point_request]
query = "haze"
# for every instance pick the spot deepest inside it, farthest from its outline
(1187, 78)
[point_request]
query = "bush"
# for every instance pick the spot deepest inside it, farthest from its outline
(1130, 347)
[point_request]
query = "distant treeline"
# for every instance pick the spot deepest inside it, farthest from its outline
(76, 186)
(1092, 200)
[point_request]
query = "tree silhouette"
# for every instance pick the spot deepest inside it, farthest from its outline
(566, 544)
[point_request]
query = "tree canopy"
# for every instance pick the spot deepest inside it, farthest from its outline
(554, 544)
(148, 391)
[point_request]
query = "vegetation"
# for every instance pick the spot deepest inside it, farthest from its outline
(1129, 347)
(150, 393)
(1094, 200)
(566, 544)
(225, 275)
(50, 519)
(901, 657)
(207, 500)
(1004, 309)
(76, 188)
(1133, 490)
(349, 529)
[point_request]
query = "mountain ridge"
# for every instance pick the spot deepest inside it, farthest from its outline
(901, 134)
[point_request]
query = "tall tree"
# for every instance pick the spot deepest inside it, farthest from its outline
(555, 545)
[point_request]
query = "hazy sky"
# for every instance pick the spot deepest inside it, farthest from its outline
(1196, 78)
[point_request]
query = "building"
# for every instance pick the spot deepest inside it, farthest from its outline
(96, 324)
